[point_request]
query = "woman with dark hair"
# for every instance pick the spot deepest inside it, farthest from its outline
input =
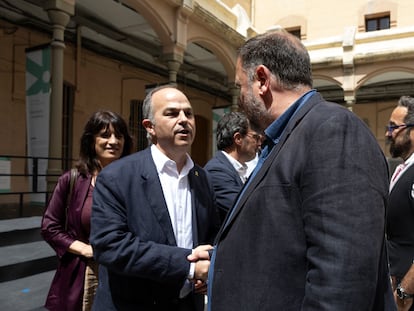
(66, 221)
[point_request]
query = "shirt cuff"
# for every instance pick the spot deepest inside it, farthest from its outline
(191, 272)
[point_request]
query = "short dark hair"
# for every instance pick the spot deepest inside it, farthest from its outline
(229, 124)
(88, 162)
(282, 53)
(407, 102)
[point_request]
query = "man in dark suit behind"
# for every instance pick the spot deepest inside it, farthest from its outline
(237, 144)
(400, 216)
(307, 232)
(149, 211)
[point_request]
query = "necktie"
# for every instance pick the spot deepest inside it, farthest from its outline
(397, 171)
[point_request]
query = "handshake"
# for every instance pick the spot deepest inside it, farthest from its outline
(201, 256)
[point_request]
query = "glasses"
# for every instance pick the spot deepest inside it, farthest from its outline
(256, 137)
(391, 128)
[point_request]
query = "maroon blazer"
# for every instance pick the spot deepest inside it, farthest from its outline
(66, 290)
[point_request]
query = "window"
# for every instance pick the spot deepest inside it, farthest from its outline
(136, 129)
(377, 22)
(294, 31)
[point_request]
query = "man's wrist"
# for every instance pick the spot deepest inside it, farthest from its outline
(402, 294)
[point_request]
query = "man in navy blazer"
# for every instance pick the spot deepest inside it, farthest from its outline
(307, 231)
(237, 144)
(149, 211)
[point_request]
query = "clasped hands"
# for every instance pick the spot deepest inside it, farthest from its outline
(201, 257)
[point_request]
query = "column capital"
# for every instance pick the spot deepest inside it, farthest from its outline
(59, 12)
(234, 90)
(65, 6)
(174, 62)
(349, 98)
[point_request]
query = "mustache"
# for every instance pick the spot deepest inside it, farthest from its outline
(184, 130)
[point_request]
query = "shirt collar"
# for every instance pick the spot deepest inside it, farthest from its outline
(165, 164)
(236, 164)
(410, 160)
(276, 128)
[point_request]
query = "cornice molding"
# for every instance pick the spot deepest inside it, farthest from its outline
(220, 28)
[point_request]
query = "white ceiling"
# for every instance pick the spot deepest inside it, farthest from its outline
(118, 28)
(108, 26)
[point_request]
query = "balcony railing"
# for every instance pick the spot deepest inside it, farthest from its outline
(23, 184)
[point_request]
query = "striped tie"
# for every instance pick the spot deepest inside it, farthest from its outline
(397, 171)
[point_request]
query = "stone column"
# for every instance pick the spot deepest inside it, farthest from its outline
(173, 67)
(234, 92)
(173, 53)
(349, 66)
(59, 12)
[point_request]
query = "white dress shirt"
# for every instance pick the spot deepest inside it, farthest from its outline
(240, 168)
(177, 196)
(252, 164)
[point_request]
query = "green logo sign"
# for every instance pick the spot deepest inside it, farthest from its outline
(40, 72)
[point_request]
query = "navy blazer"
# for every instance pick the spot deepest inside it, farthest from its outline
(308, 231)
(226, 182)
(133, 239)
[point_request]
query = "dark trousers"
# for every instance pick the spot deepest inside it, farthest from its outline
(188, 303)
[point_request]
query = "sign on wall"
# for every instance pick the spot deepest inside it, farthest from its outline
(38, 64)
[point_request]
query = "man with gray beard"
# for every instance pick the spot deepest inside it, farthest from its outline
(307, 232)
(400, 217)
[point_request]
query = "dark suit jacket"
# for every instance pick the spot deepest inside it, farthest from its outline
(226, 181)
(308, 231)
(141, 266)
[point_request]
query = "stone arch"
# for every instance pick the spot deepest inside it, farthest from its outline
(226, 57)
(326, 80)
(382, 75)
(385, 84)
(330, 88)
(150, 10)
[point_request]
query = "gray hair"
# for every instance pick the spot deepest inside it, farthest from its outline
(407, 102)
(229, 124)
(147, 107)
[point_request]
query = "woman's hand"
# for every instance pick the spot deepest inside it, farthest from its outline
(80, 248)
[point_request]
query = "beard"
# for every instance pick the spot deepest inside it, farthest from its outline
(402, 148)
(255, 111)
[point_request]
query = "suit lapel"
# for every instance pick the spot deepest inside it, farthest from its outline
(296, 119)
